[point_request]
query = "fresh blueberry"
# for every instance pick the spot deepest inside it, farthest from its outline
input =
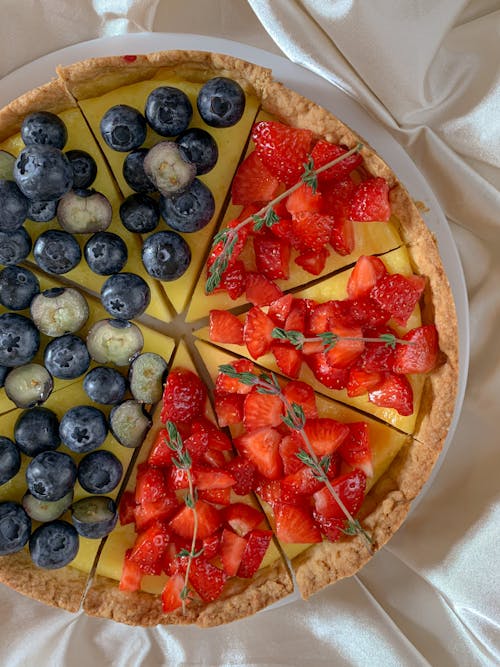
(67, 357)
(10, 459)
(59, 310)
(43, 172)
(123, 128)
(42, 211)
(14, 246)
(44, 127)
(51, 475)
(37, 431)
(100, 471)
(19, 339)
(29, 385)
(125, 295)
(105, 385)
(116, 342)
(15, 528)
(133, 171)
(221, 102)
(84, 168)
(168, 111)
(83, 428)
(166, 255)
(84, 212)
(200, 148)
(190, 210)
(94, 517)
(4, 371)
(129, 423)
(13, 206)
(57, 251)
(139, 213)
(46, 510)
(54, 545)
(18, 286)
(106, 253)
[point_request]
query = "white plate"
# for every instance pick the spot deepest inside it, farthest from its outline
(312, 86)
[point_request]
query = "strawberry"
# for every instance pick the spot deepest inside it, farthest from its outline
(227, 385)
(272, 256)
(310, 231)
(151, 484)
(211, 545)
(356, 450)
(324, 316)
(289, 447)
(272, 492)
(229, 409)
(261, 447)
(206, 579)
(243, 472)
(296, 319)
(302, 394)
(280, 309)
(421, 356)
(295, 525)
(313, 261)
(257, 332)
(209, 436)
(216, 496)
(370, 201)
(130, 579)
(304, 199)
(259, 290)
(367, 312)
(148, 512)
(302, 482)
(393, 392)
(330, 527)
(253, 182)
(261, 410)
(224, 327)
(242, 517)
(361, 381)
(324, 152)
(288, 359)
(234, 280)
(351, 490)
(377, 357)
(209, 520)
(342, 237)
(210, 478)
(398, 295)
(366, 273)
(126, 508)
(324, 372)
(282, 149)
(171, 594)
(345, 351)
(257, 544)
(325, 434)
(282, 229)
(178, 479)
(243, 232)
(232, 549)
(149, 548)
(215, 457)
(160, 453)
(184, 396)
(336, 203)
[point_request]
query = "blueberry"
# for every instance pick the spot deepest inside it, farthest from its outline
(67, 357)
(190, 210)
(105, 385)
(56, 251)
(106, 253)
(100, 472)
(168, 169)
(83, 428)
(59, 310)
(166, 255)
(44, 127)
(94, 517)
(14, 246)
(123, 128)
(221, 102)
(112, 341)
(15, 528)
(84, 168)
(84, 212)
(13, 206)
(200, 148)
(37, 431)
(46, 510)
(133, 171)
(43, 172)
(18, 286)
(54, 545)
(125, 295)
(10, 459)
(168, 111)
(29, 385)
(42, 211)
(51, 475)
(129, 423)
(19, 339)
(139, 213)
(4, 371)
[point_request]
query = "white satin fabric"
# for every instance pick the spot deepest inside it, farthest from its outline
(429, 71)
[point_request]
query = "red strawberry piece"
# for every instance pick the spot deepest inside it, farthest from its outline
(304, 199)
(257, 332)
(313, 261)
(272, 492)
(211, 545)
(324, 316)
(393, 392)
(310, 231)
(148, 512)
(288, 359)
(367, 312)
(178, 479)
(370, 201)
(234, 280)
(259, 290)
(229, 408)
(296, 319)
(282, 149)
(302, 394)
(342, 237)
(184, 396)
(224, 327)
(350, 488)
(206, 478)
(347, 348)
(151, 484)
(231, 551)
(149, 548)
(330, 527)
(324, 372)
(227, 385)
(253, 182)
(325, 434)
(377, 357)
(209, 520)
(215, 438)
(243, 232)
(356, 450)
(295, 525)
(302, 482)
(261, 447)
(398, 295)
(289, 447)
(206, 579)
(261, 410)
(130, 579)
(216, 496)
(215, 458)
(160, 453)
(280, 309)
(272, 256)
(421, 356)
(126, 508)
(257, 545)
(243, 472)
(171, 594)
(324, 152)
(361, 381)
(282, 229)
(366, 273)
(242, 517)
(337, 197)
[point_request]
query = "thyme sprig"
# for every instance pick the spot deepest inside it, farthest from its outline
(265, 217)
(329, 339)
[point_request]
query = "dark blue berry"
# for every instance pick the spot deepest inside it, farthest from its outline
(125, 295)
(94, 517)
(140, 213)
(83, 428)
(200, 148)
(57, 251)
(10, 459)
(123, 128)
(168, 111)
(43, 172)
(100, 472)
(105, 385)
(18, 286)
(42, 211)
(14, 246)
(190, 210)
(166, 255)
(54, 545)
(19, 339)
(44, 127)
(15, 528)
(106, 253)
(37, 431)
(13, 206)
(4, 371)
(133, 171)
(67, 357)
(51, 475)
(221, 102)
(84, 168)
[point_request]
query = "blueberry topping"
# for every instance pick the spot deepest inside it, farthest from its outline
(94, 517)
(19, 339)
(190, 210)
(100, 472)
(83, 428)
(123, 128)
(84, 212)
(44, 127)
(168, 111)
(43, 172)
(18, 286)
(59, 311)
(200, 148)
(54, 545)
(67, 357)
(10, 459)
(221, 102)
(166, 167)
(146, 375)
(15, 528)
(114, 342)
(125, 295)
(46, 510)
(133, 171)
(14, 246)
(29, 385)
(51, 475)
(13, 206)
(37, 431)
(105, 385)
(166, 255)
(129, 423)
(4, 371)
(139, 213)
(84, 168)
(105, 253)
(7, 162)
(56, 251)
(42, 211)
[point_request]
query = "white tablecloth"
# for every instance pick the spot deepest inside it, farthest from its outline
(429, 72)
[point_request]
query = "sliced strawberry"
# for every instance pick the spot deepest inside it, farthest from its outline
(324, 316)
(342, 238)
(393, 392)
(421, 355)
(261, 447)
(126, 508)
(347, 348)
(243, 472)
(178, 479)
(234, 280)
(214, 458)
(272, 492)
(257, 545)
(151, 484)
(184, 396)
(324, 372)
(366, 273)
(216, 439)
(227, 385)
(377, 357)
(261, 410)
(325, 434)
(211, 545)
(272, 256)
(243, 232)
(224, 327)
(296, 319)
(350, 488)
(231, 551)
(302, 394)
(356, 450)
(295, 525)
(260, 290)
(313, 261)
(330, 527)
(206, 579)
(216, 496)
(206, 478)
(361, 381)
(148, 513)
(302, 482)
(242, 517)
(289, 447)
(304, 199)
(324, 152)
(398, 295)
(282, 229)
(367, 312)
(288, 359)
(370, 201)
(280, 309)
(209, 520)
(149, 548)
(257, 332)
(229, 408)
(160, 453)
(253, 182)
(171, 594)
(130, 579)
(337, 197)
(310, 231)
(282, 149)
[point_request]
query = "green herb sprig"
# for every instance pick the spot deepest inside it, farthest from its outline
(329, 339)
